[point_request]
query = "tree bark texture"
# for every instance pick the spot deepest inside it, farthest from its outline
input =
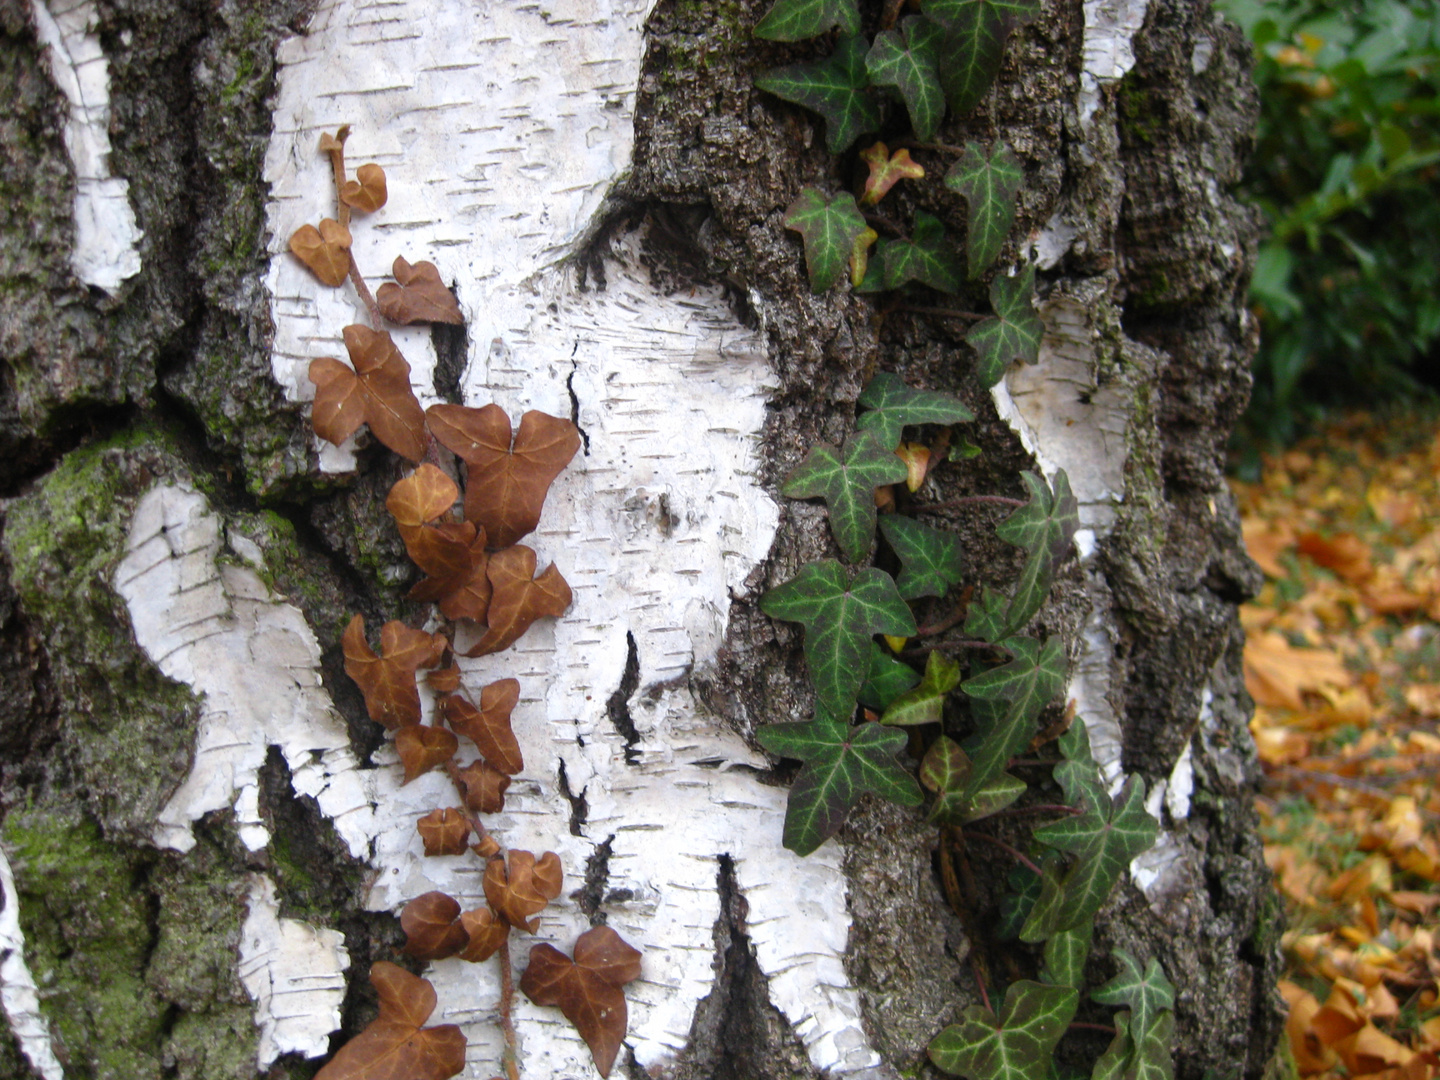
(204, 838)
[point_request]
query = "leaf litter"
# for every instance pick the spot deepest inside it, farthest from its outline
(1343, 661)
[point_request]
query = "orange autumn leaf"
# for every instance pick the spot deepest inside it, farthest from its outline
(1278, 674)
(518, 598)
(1311, 1055)
(587, 989)
(397, 1045)
(518, 887)
(507, 478)
(1344, 553)
(1265, 542)
(388, 680)
(417, 295)
(422, 748)
(432, 929)
(324, 251)
(376, 391)
(488, 727)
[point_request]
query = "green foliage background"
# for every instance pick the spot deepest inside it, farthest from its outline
(1347, 172)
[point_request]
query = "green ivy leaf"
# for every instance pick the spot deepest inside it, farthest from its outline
(931, 559)
(1103, 843)
(926, 257)
(840, 615)
(926, 703)
(985, 618)
(891, 405)
(1013, 332)
(887, 680)
(796, 20)
(836, 88)
(846, 479)
(907, 60)
(1020, 689)
(1045, 527)
(974, 44)
(841, 763)
(989, 181)
(831, 228)
(1015, 906)
(1147, 992)
(1133, 1055)
(946, 771)
(1078, 775)
(1019, 1045)
(1111, 1065)
(1065, 956)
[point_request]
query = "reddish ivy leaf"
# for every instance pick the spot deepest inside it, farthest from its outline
(587, 989)
(376, 392)
(506, 480)
(421, 748)
(452, 553)
(487, 933)
(886, 170)
(484, 786)
(388, 680)
(444, 680)
(520, 887)
(431, 929)
(444, 832)
(417, 295)
(396, 1044)
(518, 598)
(324, 251)
(488, 727)
(367, 192)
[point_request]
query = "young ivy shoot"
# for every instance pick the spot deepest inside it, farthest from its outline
(971, 697)
(480, 576)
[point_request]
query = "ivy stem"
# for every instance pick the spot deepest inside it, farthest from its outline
(511, 1055)
(979, 980)
(884, 222)
(947, 313)
(337, 170)
(376, 319)
(916, 144)
(930, 629)
(1083, 1025)
(947, 646)
(1019, 855)
(1038, 808)
(965, 500)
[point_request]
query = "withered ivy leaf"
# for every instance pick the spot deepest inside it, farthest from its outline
(891, 405)
(837, 88)
(444, 680)
(886, 170)
(518, 886)
(917, 463)
(376, 392)
(417, 295)
(484, 787)
(366, 192)
(422, 748)
(487, 933)
(488, 727)
(841, 764)
(588, 989)
(452, 553)
(841, 614)
(1017, 1046)
(388, 680)
(324, 251)
(505, 483)
(1012, 333)
(908, 59)
(444, 832)
(931, 559)
(431, 929)
(926, 703)
(830, 228)
(846, 479)
(518, 598)
(795, 20)
(396, 1043)
(423, 496)
(989, 180)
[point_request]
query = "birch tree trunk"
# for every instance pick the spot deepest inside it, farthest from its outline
(205, 840)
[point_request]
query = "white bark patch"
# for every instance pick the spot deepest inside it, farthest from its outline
(1108, 48)
(18, 996)
(295, 974)
(106, 233)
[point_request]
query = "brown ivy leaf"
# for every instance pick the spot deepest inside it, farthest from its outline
(396, 1045)
(366, 192)
(522, 888)
(423, 496)
(587, 989)
(444, 832)
(388, 680)
(431, 929)
(324, 251)
(917, 463)
(505, 485)
(488, 727)
(487, 934)
(330, 143)
(376, 392)
(421, 748)
(444, 680)
(340, 403)
(452, 553)
(484, 786)
(417, 295)
(518, 598)
(486, 846)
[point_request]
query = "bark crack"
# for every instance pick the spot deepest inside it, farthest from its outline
(593, 893)
(618, 706)
(579, 808)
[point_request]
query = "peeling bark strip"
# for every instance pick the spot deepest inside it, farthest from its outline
(106, 234)
(17, 985)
